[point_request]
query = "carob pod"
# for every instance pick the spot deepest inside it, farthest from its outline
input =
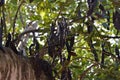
(8, 40)
(93, 51)
(89, 27)
(1, 34)
(117, 52)
(51, 41)
(2, 2)
(116, 20)
(11, 44)
(30, 49)
(91, 4)
(108, 19)
(69, 46)
(103, 55)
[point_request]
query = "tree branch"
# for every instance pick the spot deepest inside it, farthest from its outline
(29, 31)
(14, 21)
(104, 36)
(88, 69)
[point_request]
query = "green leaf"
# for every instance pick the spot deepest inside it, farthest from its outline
(105, 25)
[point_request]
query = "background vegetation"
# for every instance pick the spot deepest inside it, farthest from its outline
(92, 24)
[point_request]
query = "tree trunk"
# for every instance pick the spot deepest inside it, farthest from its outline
(15, 67)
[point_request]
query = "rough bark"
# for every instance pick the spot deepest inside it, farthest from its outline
(15, 67)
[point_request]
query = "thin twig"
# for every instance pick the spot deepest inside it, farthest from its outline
(108, 37)
(14, 21)
(88, 69)
(58, 16)
(29, 31)
(21, 18)
(4, 24)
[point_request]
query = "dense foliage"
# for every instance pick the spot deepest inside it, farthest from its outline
(80, 38)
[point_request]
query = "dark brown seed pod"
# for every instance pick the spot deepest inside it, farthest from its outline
(116, 20)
